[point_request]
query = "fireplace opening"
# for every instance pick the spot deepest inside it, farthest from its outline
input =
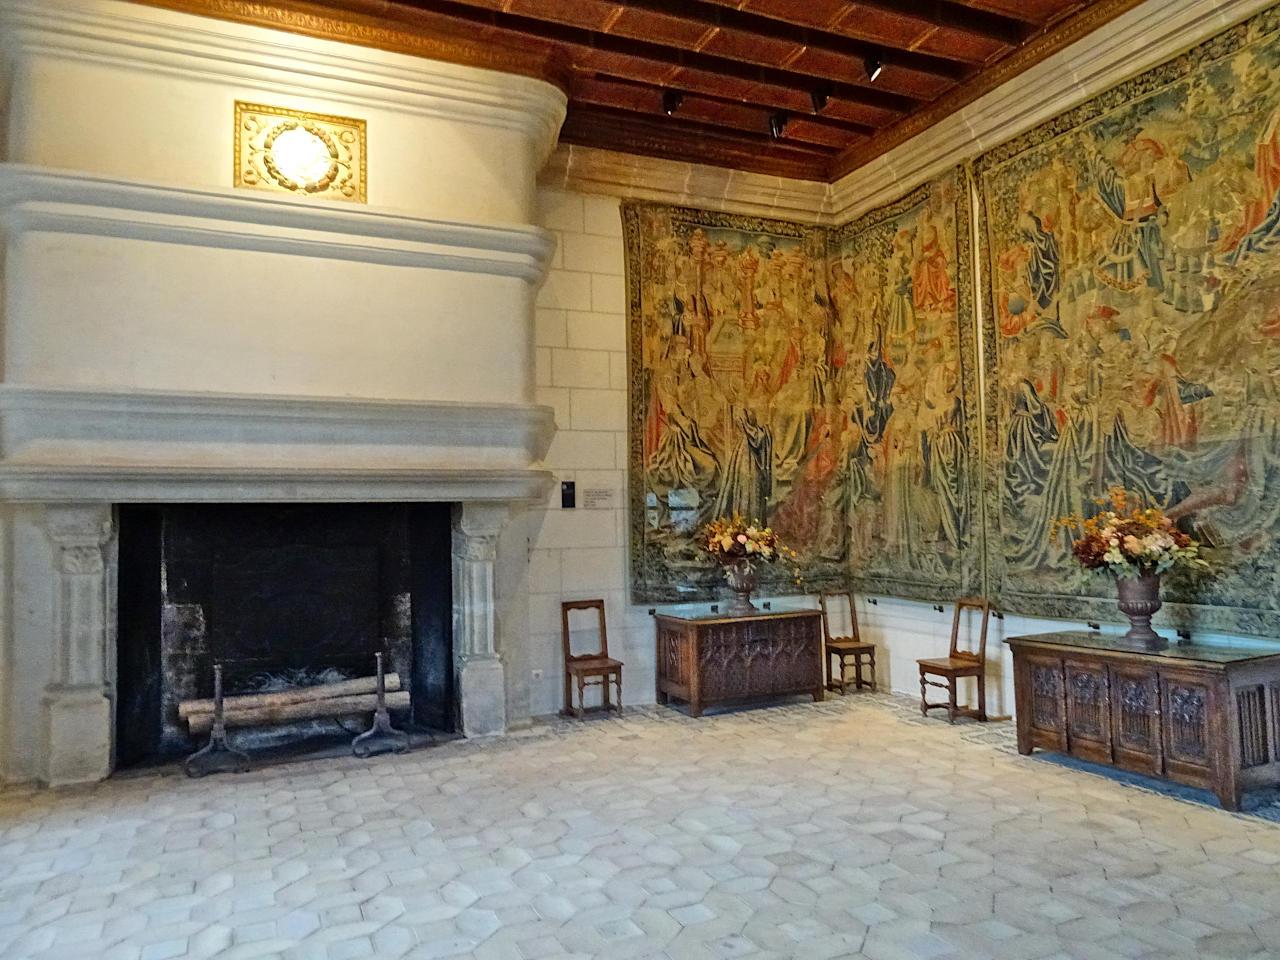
(284, 596)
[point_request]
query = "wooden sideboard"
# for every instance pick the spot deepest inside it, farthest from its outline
(1200, 715)
(706, 658)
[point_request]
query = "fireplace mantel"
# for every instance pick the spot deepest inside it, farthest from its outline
(112, 446)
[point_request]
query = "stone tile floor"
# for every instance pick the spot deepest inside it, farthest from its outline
(843, 829)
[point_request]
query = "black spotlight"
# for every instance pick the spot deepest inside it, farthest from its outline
(671, 101)
(873, 66)
(777, 124)
(820, 95)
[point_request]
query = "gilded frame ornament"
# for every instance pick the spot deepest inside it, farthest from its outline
(343, 140)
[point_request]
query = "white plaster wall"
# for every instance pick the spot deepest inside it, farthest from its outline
(95, 311)
(579, 554)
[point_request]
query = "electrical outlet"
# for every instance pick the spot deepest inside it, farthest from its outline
(535, 674)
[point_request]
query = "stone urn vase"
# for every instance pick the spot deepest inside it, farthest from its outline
(740, 574)
(1138, 599)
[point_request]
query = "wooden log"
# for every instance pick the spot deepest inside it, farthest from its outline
(309, 710)
(343, 688)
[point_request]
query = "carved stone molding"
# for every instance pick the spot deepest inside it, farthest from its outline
(76, 724)
(79, 533)
(38, 199)
(61, 444)
(481, 676)
(519, 90)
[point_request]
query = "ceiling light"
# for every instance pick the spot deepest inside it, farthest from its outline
(777, 123)
(873, 67)
(820, 95)
(671, 101)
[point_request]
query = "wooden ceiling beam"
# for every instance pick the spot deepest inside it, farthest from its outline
(748, 121)
(580, 39)
(690, 142)
(945, 14)
(599, 88)
(772, 29)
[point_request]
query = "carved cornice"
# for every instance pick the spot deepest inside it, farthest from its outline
(80, 530)
(63, 444)
(476, 527)
(54, 201)
(396, 29)
(593, 170)
(159, 484)
(344, 75)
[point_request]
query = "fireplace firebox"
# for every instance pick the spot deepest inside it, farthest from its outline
(283, 596)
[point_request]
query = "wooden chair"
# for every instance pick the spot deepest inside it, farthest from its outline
(958, 663)
(590, 669)
(862, 652)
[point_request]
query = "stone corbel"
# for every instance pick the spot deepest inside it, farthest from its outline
(482, 696)
(77, 708)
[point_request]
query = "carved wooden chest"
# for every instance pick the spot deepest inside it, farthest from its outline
(706, 659)
(1199, 715)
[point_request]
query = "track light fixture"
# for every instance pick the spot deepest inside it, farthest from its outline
(820, 95)
(873, 66)
(777, 124)
(671, 101)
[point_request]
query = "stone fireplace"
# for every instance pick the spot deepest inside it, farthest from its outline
(282, 596)
(170, 341)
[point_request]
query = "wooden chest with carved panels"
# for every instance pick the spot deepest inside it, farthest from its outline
(708, 659)
(1200, 715)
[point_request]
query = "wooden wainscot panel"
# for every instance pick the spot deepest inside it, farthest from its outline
(1087, 696)
(1045, 705)
(1189, 708)
(1135, 719)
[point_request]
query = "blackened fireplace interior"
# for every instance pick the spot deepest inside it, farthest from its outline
(283, 596)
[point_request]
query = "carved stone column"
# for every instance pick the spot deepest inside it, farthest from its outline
(481, 684)
(77, 708)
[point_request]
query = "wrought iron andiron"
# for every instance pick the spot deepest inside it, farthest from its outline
(217, 756)
(381, 737)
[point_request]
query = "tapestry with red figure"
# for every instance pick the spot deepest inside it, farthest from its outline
(900, 278)
(1131, 271)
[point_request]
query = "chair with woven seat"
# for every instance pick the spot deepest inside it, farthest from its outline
(958, 663)
(595, 669)
(845, 648)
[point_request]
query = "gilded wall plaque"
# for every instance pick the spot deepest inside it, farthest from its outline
(292, 151)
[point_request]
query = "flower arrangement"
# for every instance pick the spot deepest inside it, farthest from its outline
(1129, 540)
(733, 538)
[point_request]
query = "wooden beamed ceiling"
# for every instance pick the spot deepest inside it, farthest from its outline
(775, 86)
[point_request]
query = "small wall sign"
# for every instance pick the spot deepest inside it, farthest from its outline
(599, 498)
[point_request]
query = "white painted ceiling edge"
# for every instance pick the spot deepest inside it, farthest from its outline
(1136, 41)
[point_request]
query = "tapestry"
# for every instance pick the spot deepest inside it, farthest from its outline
(1131, 280)
(731, 344)
(900, 278)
